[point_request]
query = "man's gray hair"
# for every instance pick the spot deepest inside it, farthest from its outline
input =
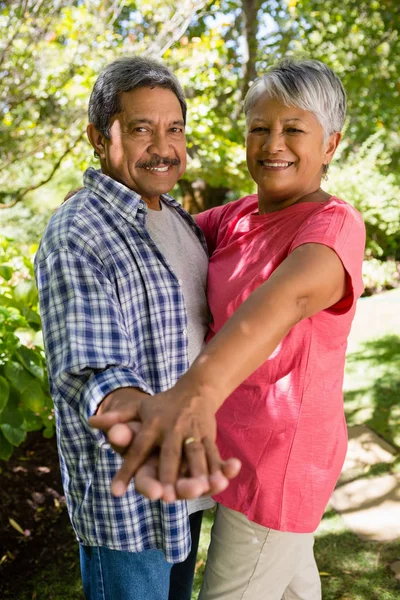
(308, 84)
(123, 75)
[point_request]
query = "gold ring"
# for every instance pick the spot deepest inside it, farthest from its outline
(190, 440)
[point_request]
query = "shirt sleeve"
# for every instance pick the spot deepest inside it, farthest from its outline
(88, 350)
(340, 227)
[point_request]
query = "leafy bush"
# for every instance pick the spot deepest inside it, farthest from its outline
(24, 222)
(25, 403)
(380, 275)
(360, 181)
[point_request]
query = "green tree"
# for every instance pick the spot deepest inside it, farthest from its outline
(50, 54)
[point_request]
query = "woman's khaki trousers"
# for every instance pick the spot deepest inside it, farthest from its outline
(247, 561)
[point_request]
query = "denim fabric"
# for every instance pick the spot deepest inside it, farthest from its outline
(118, 575)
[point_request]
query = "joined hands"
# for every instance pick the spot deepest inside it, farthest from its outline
(167, 443)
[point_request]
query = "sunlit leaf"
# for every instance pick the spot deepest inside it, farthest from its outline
(6, 272)
(14, 435)
(18, 375)
(31, 361)
(33, 397)
(25, 292)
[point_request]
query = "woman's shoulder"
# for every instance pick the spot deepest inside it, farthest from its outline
(341, 206)
(338, 213)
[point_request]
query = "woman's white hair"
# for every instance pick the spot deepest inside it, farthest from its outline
(308, 84)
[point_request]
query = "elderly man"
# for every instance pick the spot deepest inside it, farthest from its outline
(121, 272)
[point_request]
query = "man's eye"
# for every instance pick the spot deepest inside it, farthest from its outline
(176, 130)
(140, 129)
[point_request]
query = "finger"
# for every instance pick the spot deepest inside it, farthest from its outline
(170, 461)
(121, 436)
(217, 480)
(183, 469)
(146, 482)
(134, 457)
(107, 419)
(188, 488)
(196, 457)
(231, 467)
(204, 464)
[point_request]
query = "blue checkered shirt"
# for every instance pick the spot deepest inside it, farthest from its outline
(113, 316)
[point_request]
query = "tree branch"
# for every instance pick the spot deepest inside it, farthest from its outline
(22, 193)
(175, 27)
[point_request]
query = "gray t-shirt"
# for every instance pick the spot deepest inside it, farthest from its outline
(186, 256)
(189, 262)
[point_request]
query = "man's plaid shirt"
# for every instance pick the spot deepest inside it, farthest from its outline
(113, 316)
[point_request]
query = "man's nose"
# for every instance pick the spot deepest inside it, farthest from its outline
(159, 145)
(274, 142)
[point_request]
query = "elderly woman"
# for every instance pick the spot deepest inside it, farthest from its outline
(284, 277)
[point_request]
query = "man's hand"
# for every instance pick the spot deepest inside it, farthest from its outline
(72, 193)
(182, 429)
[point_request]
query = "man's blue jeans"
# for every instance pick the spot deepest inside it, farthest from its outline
(115, 575)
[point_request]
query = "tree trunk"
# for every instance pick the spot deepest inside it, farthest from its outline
(199, 196)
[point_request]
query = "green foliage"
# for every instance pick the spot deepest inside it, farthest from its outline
(25, 403)
(50, 55)
(360, 39)
(380, 275)
(359, 180)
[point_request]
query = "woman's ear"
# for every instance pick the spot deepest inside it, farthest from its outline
(96, 138)
(331, 146)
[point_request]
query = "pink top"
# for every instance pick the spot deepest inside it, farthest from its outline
(286, 421)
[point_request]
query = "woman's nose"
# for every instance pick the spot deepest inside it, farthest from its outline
(274, 142)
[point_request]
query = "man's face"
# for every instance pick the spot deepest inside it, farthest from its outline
(147, 149)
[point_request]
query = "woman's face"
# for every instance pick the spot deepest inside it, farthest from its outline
(285, 152)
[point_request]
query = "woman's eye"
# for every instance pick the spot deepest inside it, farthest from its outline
(293, 130)
(258, 129)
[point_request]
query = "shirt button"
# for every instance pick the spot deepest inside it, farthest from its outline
(184, 332)
(180, 281)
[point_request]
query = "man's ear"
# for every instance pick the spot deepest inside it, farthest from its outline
(97, 139)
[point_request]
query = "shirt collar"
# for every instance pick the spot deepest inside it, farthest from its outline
(127, 202)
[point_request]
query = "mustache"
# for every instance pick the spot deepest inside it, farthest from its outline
(157, 161)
